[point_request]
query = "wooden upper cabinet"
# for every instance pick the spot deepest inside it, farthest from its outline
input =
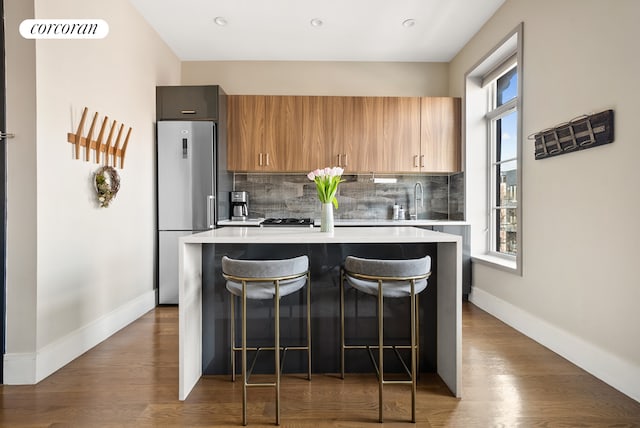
(264, 133)
(246, 132)
(360, 134)
(440, 134)
(283, 134)
(322, 132)
(401, 148)
(363, 139)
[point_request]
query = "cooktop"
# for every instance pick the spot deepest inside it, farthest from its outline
(291, 221)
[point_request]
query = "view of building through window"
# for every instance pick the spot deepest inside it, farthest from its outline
(504, 164)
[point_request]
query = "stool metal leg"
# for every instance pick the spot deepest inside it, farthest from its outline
(233, 338)
(342, 323)
(309, 326)
(277, 350)
(244, 353)
(380, 350)
(417, 335)
(413, 351)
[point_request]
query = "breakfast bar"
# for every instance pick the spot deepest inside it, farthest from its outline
(199, 252)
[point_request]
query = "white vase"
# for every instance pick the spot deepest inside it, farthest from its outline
(326, 218)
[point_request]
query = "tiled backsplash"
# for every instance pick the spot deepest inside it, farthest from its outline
(294, 195)
(456, 196)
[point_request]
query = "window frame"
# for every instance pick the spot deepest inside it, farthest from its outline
(495, 63)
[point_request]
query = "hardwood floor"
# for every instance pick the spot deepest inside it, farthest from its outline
(131, 380)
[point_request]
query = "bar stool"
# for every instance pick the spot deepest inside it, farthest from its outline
(265, 279)
(393, 279)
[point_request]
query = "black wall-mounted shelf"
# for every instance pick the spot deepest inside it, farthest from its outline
(581, 133)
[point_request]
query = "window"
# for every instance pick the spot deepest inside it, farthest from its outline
(502, 125)
(493, 155)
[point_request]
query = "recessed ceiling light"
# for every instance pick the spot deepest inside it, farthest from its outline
(220, 20)
(407, 23)
(316, 22)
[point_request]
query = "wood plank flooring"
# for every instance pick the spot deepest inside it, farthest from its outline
(131, 380)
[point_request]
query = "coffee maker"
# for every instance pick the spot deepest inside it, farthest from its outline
(239, 206)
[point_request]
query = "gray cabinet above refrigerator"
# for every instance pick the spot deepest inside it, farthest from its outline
(188, 102)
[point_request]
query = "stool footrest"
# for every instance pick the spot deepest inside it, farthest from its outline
(395, 349)
(397, 382)
(261, 384)
(406, 369)
(376, 347)
(257, 350)
(255, 358)
(271, 348)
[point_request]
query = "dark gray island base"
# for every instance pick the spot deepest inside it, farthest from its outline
(204, 329)
(360, 310)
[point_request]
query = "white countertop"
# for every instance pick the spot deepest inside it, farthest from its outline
(355, 222)
(294, 235)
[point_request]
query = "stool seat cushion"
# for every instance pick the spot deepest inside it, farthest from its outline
(255, 271)
(385, 270)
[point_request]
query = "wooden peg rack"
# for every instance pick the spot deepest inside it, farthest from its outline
(111, 151)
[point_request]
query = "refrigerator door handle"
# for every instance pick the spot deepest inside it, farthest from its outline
(210, 199)
(185, 148)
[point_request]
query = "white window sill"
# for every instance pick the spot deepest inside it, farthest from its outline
(496, 262)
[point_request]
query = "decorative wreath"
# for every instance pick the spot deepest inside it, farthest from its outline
(107, 183)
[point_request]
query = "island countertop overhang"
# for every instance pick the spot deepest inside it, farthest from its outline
(296, 235)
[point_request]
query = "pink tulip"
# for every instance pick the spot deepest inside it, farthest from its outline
(311, 176)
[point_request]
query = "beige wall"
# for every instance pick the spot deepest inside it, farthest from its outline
(320, 78)
(580, 287)
(88, 266)
(21, 181)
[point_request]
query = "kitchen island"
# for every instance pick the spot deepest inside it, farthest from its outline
(193, 310)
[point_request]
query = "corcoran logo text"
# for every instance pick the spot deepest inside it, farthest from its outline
(64, 28)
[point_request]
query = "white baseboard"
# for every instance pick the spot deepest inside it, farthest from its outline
(19, 369)
(31, 368)
(611, 369)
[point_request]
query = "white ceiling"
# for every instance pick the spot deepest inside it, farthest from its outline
(352, 30)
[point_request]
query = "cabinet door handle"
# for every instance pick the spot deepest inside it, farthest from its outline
(259, 159)
(188, 111)
(210, 209)
(415, 161)
(339, 159)
(267, 156)
(345, 159)
(422, 161)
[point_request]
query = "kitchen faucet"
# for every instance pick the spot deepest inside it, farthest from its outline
(415, 200)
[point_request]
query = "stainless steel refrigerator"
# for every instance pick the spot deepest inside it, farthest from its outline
(190, 197)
